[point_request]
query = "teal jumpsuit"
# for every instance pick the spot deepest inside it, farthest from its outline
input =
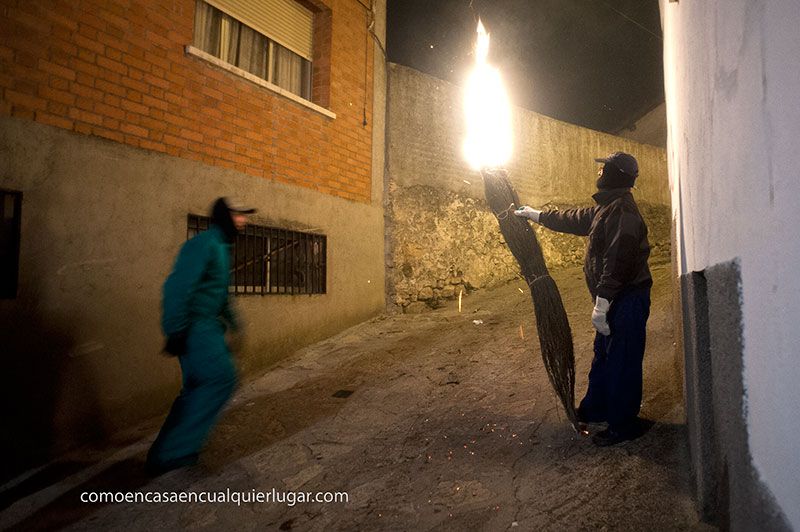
(195, 302)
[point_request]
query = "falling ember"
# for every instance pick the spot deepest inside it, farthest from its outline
(521, 332)
(488, 112)
(460, 293)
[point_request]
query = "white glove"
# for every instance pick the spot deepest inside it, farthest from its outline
(527, 212)
(599, 316)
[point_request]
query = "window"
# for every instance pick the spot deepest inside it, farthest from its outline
(10, 222)
(271, 39)
(268, 260)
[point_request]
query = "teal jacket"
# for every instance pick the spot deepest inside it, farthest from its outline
(197, 288)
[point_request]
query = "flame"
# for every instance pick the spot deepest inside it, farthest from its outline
(482, 46)
(488, 112)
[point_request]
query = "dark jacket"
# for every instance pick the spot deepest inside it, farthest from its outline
(617, 251)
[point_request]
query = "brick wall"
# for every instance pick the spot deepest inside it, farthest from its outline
(117, 69)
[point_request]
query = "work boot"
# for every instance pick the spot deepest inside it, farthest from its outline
(155, 469)
(615, 435)
(608, 437)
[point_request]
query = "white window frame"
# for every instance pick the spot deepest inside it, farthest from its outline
(299, 37)
(286, 22)
(191, 50)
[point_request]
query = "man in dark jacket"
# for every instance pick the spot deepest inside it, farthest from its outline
(195, 314)
(619, 281)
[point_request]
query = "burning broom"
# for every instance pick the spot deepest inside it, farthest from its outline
(488, 148)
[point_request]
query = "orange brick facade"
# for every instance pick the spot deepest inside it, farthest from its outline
(117, 69)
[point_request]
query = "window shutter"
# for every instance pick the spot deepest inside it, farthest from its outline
(284, 21)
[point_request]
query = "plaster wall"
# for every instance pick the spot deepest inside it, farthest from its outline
(441, 237)
(649, 129)
(101, 225)
(552, 161)
(732, 76)
(378, 163)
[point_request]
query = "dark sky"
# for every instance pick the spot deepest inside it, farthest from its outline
(596, 63)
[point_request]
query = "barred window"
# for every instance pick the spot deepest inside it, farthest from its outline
(10, 222)
(271, 39)
(269, 260)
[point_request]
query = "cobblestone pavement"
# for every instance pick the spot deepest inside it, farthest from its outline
(451, 425)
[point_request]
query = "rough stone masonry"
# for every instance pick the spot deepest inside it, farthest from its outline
(448, 243)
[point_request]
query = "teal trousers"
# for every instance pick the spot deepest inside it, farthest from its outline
(209, 378)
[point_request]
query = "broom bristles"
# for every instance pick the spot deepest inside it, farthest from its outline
(555, 335)
(555, 339)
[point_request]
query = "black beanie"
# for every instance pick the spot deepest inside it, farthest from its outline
(221, 217)
(613, 177)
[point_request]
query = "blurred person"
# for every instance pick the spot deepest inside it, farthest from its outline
(195, 314)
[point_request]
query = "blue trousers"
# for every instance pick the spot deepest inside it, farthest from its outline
(209, 378)
(615, 380)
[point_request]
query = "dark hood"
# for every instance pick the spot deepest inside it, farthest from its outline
(613, 177)
(221, 217)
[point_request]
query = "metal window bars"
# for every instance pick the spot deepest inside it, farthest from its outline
(269, 260)
(10, 224)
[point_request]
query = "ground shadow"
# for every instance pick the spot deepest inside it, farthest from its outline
(666, 445)
(35, 351)
(276, 416)
(43, 478)
(124, 476)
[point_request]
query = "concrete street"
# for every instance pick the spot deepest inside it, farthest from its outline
(451, 425)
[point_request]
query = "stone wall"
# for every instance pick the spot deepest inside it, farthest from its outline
(441, 237)
(445, 243)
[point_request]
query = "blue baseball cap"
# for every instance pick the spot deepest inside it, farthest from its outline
(624, 161)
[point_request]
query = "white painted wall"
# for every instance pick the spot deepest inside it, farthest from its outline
(649, 129)
(732, 75)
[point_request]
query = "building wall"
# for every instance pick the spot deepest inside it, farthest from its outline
(650, 128)
(104, 215)
(732, 77)
(442, 239)
(118, 69)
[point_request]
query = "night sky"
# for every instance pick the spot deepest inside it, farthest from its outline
(596, 63)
